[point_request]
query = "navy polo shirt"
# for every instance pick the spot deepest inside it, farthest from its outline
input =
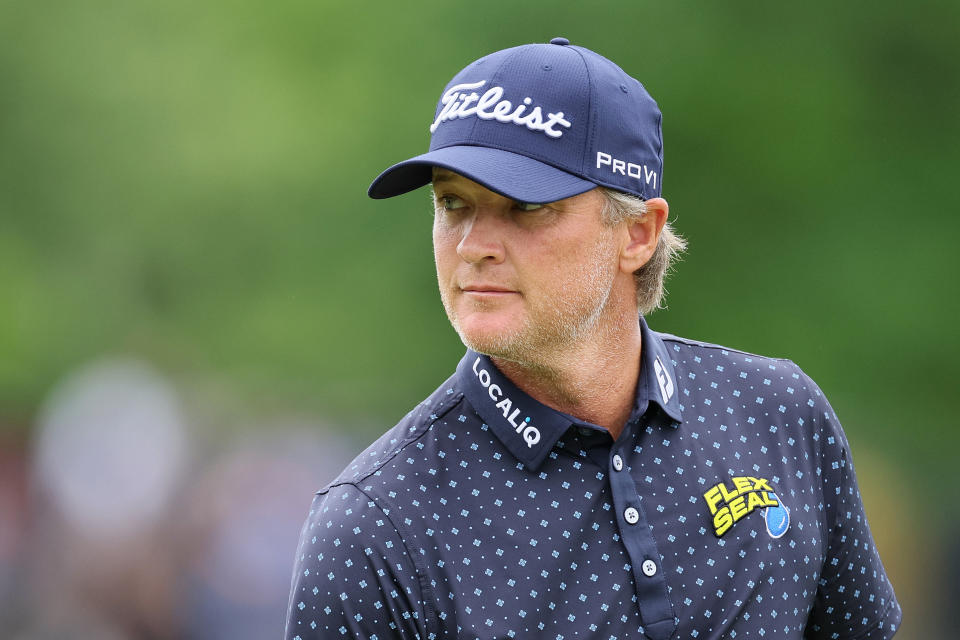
(727, 508)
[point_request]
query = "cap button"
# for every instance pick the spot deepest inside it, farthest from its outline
(562, 41)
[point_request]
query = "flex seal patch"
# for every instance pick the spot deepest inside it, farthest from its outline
(778, 519)
(729, 505)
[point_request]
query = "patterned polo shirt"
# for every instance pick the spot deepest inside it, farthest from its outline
(727, 508)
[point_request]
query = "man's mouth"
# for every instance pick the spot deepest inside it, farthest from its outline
(483, 288)
(485, 291)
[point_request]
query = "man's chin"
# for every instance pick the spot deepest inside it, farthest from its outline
(496, 342)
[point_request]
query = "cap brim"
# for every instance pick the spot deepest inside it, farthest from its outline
(509, 174)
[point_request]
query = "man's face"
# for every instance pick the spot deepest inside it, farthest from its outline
(521, 281)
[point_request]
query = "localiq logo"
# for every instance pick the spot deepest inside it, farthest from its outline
(529, 433)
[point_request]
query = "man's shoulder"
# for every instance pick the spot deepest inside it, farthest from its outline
(694, 358)
(406, 433)
(744, 373)
(686, 351)
(676, 344)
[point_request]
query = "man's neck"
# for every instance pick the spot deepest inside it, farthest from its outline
(595, 381)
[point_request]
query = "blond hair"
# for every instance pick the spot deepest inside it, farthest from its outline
(649, 278)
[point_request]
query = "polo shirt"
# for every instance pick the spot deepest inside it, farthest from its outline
(728, 507)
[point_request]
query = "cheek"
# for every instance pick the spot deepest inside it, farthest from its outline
(444, 247)
(578, 268)
(445, 233)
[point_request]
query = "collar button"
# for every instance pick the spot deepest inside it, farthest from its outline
(617, 463)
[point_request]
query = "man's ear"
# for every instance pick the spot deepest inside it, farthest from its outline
(643, 235)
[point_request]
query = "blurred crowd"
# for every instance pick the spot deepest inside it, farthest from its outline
(132, 514)
(139, 509)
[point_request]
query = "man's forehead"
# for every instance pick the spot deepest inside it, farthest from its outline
(446, 176)
(440, 175)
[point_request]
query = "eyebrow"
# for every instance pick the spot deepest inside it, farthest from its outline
(441, 175)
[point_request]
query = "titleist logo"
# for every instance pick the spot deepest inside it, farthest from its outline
(460, 101)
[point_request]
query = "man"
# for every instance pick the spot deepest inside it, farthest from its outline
(581, 476)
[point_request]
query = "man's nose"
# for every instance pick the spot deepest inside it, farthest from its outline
(482, 238)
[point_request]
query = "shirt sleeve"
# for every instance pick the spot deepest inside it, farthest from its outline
(854, 596)
(353, 577)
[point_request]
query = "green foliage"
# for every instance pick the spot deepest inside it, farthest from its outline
(187, 182)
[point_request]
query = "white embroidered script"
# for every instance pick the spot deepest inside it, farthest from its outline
(460, 101)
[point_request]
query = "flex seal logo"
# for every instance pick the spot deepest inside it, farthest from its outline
(529, 433)
(729, 506)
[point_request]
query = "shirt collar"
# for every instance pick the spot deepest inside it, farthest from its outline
(658, 382)
(530, 429)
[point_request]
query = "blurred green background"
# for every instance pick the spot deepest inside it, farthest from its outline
(185, 183)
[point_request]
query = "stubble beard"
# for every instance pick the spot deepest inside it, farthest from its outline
(558, 325)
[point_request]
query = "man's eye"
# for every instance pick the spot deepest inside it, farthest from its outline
(451, 202)
(528, 206)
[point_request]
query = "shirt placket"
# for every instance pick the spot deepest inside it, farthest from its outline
(656, 610)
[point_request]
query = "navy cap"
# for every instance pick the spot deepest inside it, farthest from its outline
(539, 123)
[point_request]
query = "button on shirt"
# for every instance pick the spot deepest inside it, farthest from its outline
(728, 507)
